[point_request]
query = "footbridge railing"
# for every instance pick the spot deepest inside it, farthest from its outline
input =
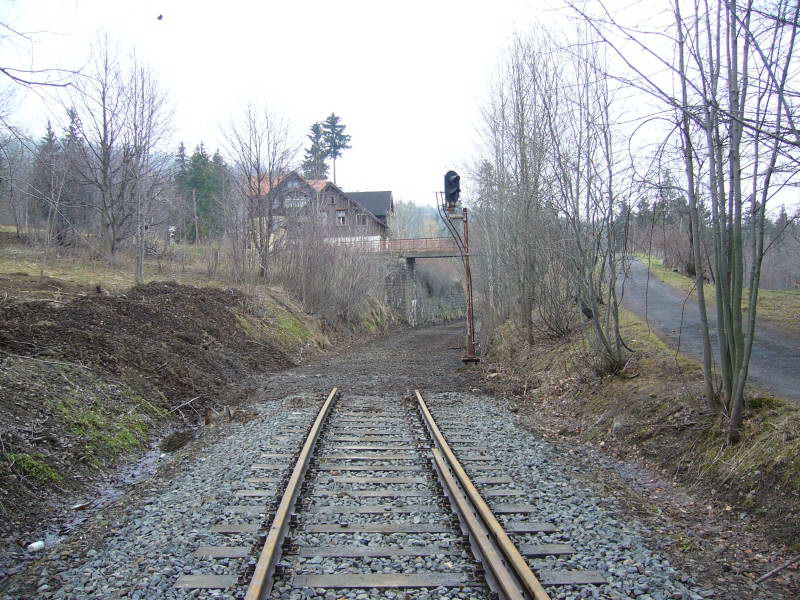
(407, 247)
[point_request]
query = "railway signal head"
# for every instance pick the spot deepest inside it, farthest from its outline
(452, 189)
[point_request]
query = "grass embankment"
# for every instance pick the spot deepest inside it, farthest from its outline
(654, 411)
(778, 308)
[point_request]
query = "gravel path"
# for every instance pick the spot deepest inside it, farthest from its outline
(141, 548)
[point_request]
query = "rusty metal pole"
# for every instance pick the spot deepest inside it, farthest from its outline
(469, 356)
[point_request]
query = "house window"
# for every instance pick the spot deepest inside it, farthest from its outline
(276, 202)
(295, 200)
(331, 199)
(292, 183)
(341, 217)
(361, 219)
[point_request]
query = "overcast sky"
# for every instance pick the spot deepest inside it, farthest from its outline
(405, 77)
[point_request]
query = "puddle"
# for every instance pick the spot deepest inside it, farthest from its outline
(14, 559)
(108, 492)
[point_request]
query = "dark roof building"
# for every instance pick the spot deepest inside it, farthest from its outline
(380, 204)
(361, 216)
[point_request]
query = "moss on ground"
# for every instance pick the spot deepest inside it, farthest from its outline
(32, 466)
(102, 418)
(105, 431)
(292, 327)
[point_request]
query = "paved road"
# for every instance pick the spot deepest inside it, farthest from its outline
(775, 363)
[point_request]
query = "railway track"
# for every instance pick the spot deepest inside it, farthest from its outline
(369, 481)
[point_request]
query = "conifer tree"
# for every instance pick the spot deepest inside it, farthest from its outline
(181, 167)
(314, 165)
(199, 182)
(335, 140)
(76, 205)
(45, 172)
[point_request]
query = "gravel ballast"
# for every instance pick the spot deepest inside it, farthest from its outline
(149, 542)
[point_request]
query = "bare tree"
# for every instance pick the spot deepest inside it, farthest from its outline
(100, 103)
(262, 150)
(549, 192)
(49, 77)
(335, 280)
(120, 114)
(17, 158)
(514, 183)
(733, 102)
(147, 115)
(590, 181)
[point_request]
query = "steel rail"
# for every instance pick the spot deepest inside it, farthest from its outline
(527, 581)
(499, 576)
(262, 580)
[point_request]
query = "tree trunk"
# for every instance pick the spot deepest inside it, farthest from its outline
(694, 219)
(196, 221)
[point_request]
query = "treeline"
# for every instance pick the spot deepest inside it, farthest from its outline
(570, 179)
(105, 182)
(417, 221)
(661, 226)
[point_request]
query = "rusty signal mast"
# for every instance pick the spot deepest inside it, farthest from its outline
(448, 205)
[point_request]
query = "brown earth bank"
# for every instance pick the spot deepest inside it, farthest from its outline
(727, 514)
(90, 381)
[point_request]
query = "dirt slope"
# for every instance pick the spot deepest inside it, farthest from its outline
(88, 378)
(180, 340)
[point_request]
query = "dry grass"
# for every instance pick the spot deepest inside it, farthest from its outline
(775, 307)
(83, 270)
(655, 410)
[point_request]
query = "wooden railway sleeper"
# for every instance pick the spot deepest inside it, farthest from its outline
(270, 555)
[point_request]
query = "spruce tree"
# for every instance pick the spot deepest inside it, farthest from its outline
(314, 165)
(335, 140)
(201, 182)
(218, 181)
(181, 168)
(198, 185)
(45, 171)
(76, 206)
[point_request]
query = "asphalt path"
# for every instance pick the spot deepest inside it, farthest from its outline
(775, 361)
